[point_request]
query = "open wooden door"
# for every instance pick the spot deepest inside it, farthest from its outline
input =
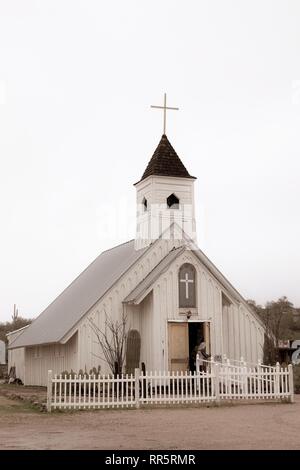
(178, 346)
(206, 330)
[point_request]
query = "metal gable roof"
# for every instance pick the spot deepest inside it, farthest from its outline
(77, 299)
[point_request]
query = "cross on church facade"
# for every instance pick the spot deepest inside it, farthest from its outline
(165, 107)
(187, 281)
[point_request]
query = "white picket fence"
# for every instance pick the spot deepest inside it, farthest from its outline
(90, 391)
(215, 383)
(171, 388)
(238, 382)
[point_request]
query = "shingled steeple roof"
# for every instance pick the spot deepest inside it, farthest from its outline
(165, 162)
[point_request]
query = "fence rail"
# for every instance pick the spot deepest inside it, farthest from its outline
(215, 383)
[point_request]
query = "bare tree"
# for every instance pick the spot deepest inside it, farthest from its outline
(112, 341)
(270, 341)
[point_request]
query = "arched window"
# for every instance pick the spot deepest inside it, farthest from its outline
(133, 350)
(173, 202)
(187, 285)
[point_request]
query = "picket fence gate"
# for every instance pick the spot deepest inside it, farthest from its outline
(218, 382)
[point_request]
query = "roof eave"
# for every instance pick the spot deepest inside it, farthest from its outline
(165, 176)
(33, 345)
(16, 331)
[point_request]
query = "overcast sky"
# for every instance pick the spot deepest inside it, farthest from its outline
(77, 79)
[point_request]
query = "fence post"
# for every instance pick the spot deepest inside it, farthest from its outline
(244, 370)
(197, 363)
(229, 372)
(291, 383)
(49, 391)
(217, 382)
(259, 379)
(137, 386)
(277, 380)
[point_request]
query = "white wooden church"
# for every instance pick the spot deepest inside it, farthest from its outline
(168, 289)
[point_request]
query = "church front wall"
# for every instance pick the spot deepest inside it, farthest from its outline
(147, 329)
(166, 308)
(230, 335)
(235, 337)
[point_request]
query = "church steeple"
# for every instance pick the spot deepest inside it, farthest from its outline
(165, 194)
(165, 162)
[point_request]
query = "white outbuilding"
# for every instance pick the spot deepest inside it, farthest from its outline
(2, 352)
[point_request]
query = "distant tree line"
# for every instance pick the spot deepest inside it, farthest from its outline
(282, 322)
(15, 323)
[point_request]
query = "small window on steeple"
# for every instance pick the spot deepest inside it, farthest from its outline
(145, 204)
(173, 202)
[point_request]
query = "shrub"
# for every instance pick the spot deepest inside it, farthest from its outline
(297, 378)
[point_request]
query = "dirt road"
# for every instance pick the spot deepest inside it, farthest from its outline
(263, 426)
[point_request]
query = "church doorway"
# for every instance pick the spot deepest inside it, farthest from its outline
(178, 346)
(196, 335)
(183, 337)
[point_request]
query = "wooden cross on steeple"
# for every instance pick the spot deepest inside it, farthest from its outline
(165, 107)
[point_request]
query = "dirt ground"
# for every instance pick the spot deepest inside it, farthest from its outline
(261, 426)
(34, 395)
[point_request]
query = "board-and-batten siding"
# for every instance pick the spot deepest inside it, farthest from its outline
(156, 190)
(230, 332)
(243, 335)
(166, 308)
(16, 357)
(209, 308)
(111, 306)
(58, 358)
(32, 363)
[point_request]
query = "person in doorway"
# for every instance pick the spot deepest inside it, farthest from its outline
(200, 349)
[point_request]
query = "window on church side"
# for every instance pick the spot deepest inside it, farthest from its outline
(145, 204)
(187, 286)
(173, 202)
